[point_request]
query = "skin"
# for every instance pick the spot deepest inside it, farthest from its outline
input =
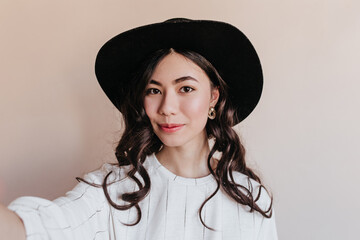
(11, 226)
(180, 92)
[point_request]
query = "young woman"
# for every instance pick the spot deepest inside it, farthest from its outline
(181, 85)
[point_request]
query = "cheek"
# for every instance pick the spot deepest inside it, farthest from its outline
(150, 107)
(196, 107)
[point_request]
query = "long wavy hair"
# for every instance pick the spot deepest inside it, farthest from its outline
(138, 141)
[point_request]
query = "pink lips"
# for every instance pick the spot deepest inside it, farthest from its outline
(170, 128)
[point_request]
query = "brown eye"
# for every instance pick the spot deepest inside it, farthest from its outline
(186, 89)
(152, 91)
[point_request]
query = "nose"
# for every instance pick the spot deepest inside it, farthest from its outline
(169, 104)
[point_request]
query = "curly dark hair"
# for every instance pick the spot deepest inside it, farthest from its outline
(138, 141)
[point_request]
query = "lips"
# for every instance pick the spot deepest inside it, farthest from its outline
(170, 127)
(166, 125)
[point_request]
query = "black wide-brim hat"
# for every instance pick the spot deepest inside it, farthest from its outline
(222, 44)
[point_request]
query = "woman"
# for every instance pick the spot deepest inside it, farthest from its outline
(180, 85)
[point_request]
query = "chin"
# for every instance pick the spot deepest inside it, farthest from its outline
(172, 142)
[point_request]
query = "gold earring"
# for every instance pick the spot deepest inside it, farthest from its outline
(212, 113)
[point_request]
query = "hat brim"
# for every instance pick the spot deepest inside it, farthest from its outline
(222, 44)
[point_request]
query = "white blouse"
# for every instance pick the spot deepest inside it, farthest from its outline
(169, 211)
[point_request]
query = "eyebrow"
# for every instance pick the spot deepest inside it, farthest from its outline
(176, 81)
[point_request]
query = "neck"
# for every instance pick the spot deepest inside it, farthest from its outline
(186, 161)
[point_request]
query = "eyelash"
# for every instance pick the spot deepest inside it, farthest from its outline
(151, 90)
(192, 89)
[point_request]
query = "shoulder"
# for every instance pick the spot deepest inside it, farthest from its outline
(114, 172)
(116, 176)
(257, 190)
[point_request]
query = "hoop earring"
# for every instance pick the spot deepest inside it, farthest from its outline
(212, 113)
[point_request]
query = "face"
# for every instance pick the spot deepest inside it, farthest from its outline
(177, 101)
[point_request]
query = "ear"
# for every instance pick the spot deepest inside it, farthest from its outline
(214, 96)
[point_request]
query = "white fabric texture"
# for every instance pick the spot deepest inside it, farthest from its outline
(169, 211)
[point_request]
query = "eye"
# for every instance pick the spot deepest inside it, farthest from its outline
(186, 89)
(152, 91)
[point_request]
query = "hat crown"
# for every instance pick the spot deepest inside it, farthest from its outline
(178, 20)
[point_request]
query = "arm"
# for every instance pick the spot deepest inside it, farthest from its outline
(11, 226)
(268, 228)
(82, 213)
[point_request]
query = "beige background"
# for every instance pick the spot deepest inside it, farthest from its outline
(56, 124)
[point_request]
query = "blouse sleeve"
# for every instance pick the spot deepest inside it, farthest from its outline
(83, 213)
(266, 226)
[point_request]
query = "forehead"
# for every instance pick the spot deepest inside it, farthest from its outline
(175, 66)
